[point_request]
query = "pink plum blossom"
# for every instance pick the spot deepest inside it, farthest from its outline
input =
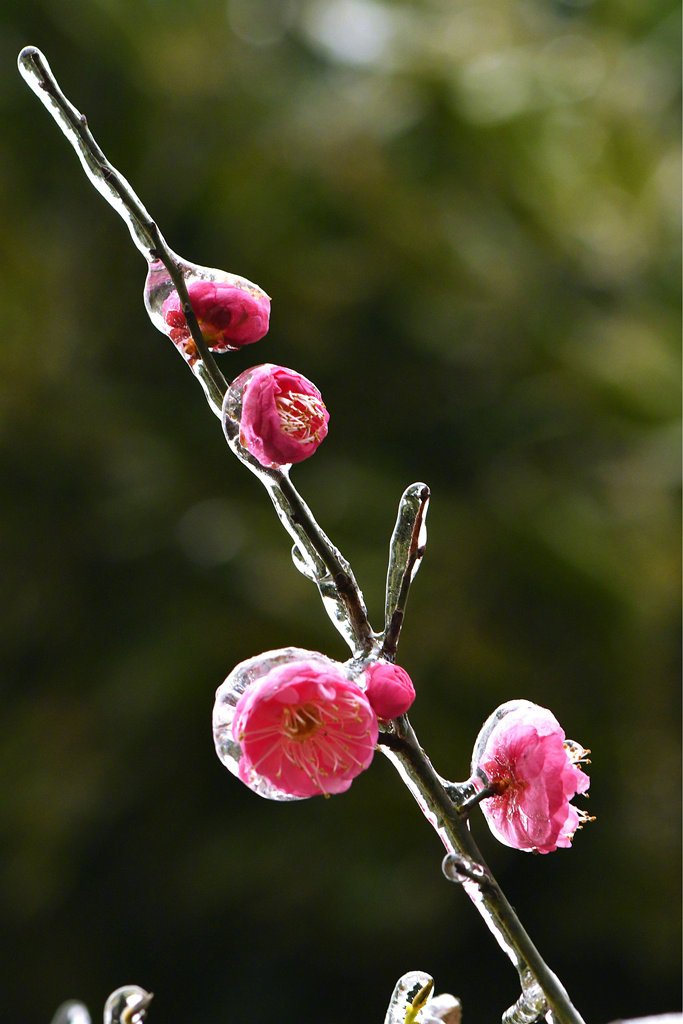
(230, 314)
(523, 756)
(305, 728)
(389, 689)
(283, 418)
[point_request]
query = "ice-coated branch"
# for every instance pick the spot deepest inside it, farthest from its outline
(112, 185)
(314, 554)
(471, 871)
(316, 557)
(406, 549)
(530, 1007)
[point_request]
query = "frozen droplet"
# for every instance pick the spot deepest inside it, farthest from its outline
(460, 869)
(71, 1012)
(305, 564)
(127, 1005)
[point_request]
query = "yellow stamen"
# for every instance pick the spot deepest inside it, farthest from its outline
(301, 416)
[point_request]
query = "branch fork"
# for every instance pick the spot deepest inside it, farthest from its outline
(445, 805)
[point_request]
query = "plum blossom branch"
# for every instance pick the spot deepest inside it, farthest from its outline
(444, 805)
(445, 817)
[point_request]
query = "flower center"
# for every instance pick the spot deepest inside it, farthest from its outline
(301, 416)
(299, 723)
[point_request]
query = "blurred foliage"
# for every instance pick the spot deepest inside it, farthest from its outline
(466, 212)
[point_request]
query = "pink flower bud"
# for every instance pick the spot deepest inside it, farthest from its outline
(291, 724)
(521, 752)
(282, 418)
(389, 689)
(230, 314)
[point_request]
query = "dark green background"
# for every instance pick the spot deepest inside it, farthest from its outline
(467, 216)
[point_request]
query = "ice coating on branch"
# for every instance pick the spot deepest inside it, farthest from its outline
(531, 1006)
(406, 550)
(346, 610)
(522, 753)
(389, 689)
(231, 311)
(281, 414)
(292, 724)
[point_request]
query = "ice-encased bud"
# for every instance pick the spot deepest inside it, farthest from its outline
(522, 754)
(389, 689)
(281, 415)
(231, 311)
(292, 723)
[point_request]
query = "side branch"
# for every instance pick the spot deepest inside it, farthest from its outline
(406, 550)
(416, 770)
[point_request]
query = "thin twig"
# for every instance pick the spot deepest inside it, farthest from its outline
(406, 549)
(416, 770)
(112, 185)
(334, 571)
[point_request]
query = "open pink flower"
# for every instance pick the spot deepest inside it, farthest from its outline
(522, 754)
(283, 418)
(389, 689)
(292, 724)
(230, 314)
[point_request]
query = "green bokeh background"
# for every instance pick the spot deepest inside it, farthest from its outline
(467, 216)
